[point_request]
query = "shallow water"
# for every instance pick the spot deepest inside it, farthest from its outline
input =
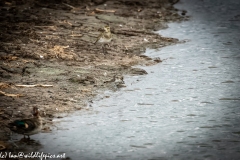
(186, 107)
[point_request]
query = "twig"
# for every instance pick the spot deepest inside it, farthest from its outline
(34, 85)
(101, 10)
(69, 5)
(10, 95)
(76, 35)
(43, 26)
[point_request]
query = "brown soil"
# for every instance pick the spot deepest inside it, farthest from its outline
(49, 44)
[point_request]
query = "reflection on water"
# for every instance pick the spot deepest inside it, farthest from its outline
(186, 107)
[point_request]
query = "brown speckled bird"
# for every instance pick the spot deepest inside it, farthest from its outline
(105, 37)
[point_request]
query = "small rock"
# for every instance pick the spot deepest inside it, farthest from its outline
(138, 71)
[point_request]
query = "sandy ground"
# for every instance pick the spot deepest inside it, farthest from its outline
(48, 58)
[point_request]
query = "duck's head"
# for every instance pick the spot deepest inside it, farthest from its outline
(35, 112)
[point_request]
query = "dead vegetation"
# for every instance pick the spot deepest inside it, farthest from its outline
(48, 45)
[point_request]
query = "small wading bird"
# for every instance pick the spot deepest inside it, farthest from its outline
(29, 126)
(105, 37)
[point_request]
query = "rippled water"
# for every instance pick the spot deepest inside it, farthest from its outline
(186, 107)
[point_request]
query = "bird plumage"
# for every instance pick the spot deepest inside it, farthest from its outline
(27, 126)
(105, 36)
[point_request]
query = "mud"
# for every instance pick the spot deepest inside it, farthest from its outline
(48, 59)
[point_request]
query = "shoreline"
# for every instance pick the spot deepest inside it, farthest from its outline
(50, 45)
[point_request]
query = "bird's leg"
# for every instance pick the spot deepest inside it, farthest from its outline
(103, 49)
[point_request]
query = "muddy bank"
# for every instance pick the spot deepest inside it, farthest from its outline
(48, 59)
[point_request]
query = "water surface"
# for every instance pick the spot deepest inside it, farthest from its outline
(186, 107)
